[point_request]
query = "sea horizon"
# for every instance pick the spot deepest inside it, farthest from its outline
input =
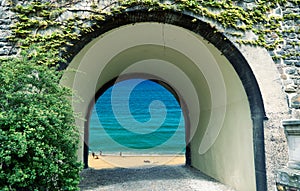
(153, 124)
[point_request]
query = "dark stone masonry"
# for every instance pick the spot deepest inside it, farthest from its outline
(6, 20)
(288, 66)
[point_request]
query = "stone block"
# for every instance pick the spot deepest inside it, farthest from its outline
(288, 62)
(4, 51)
(292, 131)
(289, 89)
(288, 179)
(290, 71)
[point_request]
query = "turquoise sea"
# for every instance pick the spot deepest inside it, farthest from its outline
(137, 116)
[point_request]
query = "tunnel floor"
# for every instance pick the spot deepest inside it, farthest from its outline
(155, 178)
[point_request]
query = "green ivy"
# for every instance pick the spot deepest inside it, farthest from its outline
(37, 19)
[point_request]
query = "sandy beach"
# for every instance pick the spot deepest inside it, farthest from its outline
(133, 161)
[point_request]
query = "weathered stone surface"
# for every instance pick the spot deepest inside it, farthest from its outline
(288, 82)
(4, 51)
(276, 146)
(6, 19)
(288, 62)
(297, 63)
(290, 70)
(292, 131)
(283, 76)
(288, 179)
(295, 101)
(289, 89)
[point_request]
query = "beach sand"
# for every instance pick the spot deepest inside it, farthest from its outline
(133, 161)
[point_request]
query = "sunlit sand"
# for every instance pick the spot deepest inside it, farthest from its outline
(131, 161)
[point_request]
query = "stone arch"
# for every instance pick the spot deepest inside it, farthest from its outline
(236, 67)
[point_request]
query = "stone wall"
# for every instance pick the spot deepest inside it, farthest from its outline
(289, 65)
(6, 19)
(289, 51)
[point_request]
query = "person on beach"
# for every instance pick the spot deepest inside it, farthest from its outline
(93, 154)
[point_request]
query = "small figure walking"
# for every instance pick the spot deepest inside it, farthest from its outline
(100, 153)
(120, 154)
(93, 154)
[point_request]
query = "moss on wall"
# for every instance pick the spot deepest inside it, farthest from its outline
(57, 25)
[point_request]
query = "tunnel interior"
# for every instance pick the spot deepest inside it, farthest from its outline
(221, 134)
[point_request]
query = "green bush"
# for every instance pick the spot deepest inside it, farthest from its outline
(38, 138)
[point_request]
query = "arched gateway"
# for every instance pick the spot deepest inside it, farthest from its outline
(213, 78)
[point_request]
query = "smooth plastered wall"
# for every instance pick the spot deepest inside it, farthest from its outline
(230, 158)
(216, 102)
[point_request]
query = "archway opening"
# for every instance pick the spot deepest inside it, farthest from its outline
(137, 122)
(222, 97)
